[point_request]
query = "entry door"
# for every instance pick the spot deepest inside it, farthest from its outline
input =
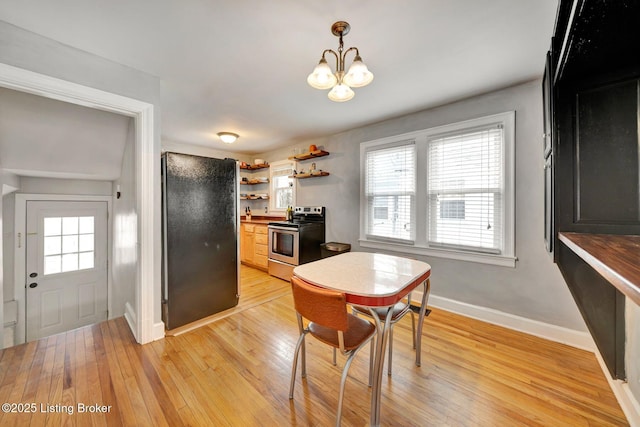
(66, 283)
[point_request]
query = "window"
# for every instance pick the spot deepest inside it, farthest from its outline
(445, 191)
(68, 244)
(464, 189)
(390, 191)
(282, 187)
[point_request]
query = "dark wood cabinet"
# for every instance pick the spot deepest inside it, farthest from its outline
(592, 173)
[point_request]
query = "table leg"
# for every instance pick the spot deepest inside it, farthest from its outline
(381, 343)
(423, 310)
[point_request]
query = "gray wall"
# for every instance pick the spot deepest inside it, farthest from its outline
(534, 289)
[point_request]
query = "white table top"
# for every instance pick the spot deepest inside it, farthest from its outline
(379, 278)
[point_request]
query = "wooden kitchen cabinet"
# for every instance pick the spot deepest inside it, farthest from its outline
(254, 250)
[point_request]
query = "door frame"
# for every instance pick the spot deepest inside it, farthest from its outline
(141, 317)
(20, 257)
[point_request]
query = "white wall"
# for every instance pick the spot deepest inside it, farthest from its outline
(632, 353)
(534, 289)
(79, 187)
(7, 251)
(24, 49)
(125, 224)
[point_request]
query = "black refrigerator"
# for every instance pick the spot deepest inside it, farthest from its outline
(200, 265)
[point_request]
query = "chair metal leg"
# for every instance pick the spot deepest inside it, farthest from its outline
(423, 309)
(413, 327)
(334, 356)
(299, 345)
(343, 381)
(390, 349)
(371, 358)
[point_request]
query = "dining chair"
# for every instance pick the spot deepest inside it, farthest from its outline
(399, 310)
(327, 319)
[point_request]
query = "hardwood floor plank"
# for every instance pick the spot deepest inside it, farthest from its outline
(234, 371)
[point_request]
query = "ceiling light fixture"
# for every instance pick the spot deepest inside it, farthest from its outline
(323, 77)
(228, 137)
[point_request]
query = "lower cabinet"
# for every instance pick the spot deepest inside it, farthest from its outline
(254, 250)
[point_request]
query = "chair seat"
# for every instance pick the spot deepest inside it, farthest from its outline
(357, 332)
(399, 310)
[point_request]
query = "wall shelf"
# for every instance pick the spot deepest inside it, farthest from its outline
(254, 167)
(309, 155)
(253, 182)
(308, 175)
(254, 198)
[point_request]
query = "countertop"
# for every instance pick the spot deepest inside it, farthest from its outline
(260, 219)
(615, 257)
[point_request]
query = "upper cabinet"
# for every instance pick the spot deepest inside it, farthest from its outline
(592, 172)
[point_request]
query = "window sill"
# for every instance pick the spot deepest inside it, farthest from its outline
(499, 260)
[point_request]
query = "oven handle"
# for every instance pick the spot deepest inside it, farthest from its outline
(275, 227)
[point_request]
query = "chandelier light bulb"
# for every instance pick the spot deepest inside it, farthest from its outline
(322, 77)
(341, 93)
(358, 74)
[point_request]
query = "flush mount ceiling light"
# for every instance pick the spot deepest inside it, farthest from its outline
(228, 137)
(340, 83)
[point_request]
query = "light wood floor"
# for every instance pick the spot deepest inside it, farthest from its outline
(235, 372)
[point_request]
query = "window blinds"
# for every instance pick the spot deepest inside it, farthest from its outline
(390, 191)
(465, 190)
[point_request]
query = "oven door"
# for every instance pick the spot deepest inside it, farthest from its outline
(284, 244)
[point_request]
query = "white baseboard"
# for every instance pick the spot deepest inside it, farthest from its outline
(130, 317)
(629, 404)
(555, 333)
(158, 331)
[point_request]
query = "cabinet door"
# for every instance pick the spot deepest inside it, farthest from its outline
(547, 103)
(247, 243)
(548, 204)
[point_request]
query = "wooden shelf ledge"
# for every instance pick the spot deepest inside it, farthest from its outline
(309, 155)
(309, 175)
(615, 257)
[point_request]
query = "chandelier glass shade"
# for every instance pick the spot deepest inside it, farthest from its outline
(323, 77)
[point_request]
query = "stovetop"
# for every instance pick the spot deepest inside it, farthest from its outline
(303, 215)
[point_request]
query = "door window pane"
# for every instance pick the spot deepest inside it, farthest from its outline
(70, 262)
(68, 244)
(52, 245)
(86, 224)
(70, 225)
(52, 226)
(52, 264)
(85, 260)
(86, 242)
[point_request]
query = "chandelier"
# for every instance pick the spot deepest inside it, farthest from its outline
(340, 83)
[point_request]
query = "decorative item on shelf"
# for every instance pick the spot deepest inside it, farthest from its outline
(247, 213)
(228, 137)
(358, 74)
(312, 148)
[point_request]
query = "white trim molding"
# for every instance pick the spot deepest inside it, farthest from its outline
(147, 177)
(578, 339)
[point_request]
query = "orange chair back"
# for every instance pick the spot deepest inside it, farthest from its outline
(322, 306)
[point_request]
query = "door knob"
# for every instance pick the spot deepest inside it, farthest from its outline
(33, 285)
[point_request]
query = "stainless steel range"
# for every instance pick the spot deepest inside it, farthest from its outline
(296, 242)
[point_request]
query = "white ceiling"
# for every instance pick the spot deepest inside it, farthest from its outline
(241, 66)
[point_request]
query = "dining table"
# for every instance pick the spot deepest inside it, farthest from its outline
(375, 281)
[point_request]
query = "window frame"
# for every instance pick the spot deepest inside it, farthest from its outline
(272, 189)
(420, 245)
